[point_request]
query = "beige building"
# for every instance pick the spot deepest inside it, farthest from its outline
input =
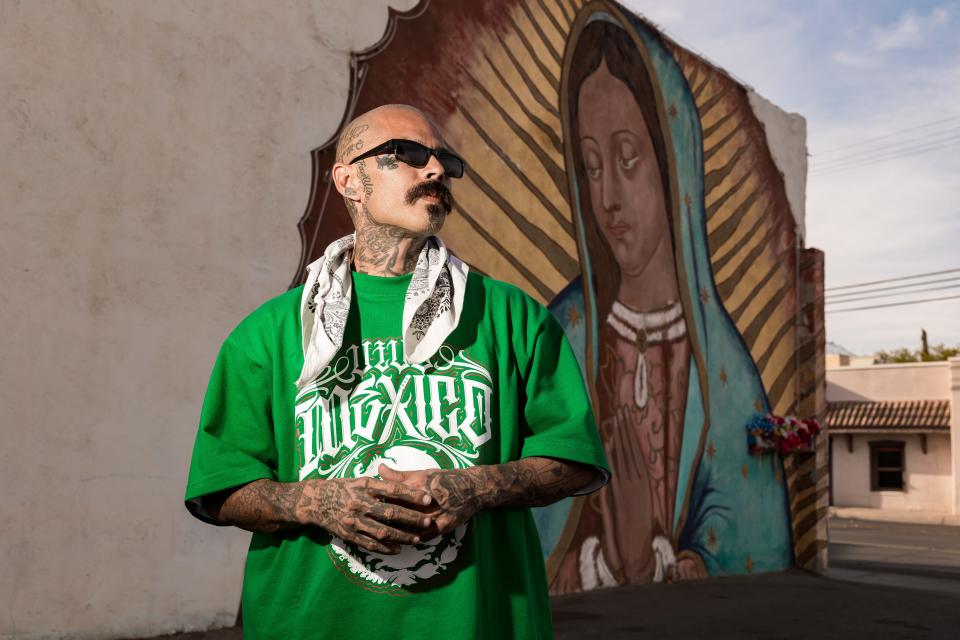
(895, 436)
(835, 360)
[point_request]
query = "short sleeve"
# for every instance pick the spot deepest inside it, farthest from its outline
(235, 442)
(558, 419)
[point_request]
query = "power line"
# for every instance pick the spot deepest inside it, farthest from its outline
(866, 284)
(884, 148)
(899, 286)
(934, 146)
(888, 155)
(885, 136)
(894, 304)
(893, 295)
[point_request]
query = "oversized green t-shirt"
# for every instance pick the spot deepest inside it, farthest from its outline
(505, 385)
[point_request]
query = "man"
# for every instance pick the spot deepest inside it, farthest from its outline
(383, 429)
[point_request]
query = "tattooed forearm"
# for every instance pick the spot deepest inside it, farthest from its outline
(530, 482)
(261, 506)
(373, 514)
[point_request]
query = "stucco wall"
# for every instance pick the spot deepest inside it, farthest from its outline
(928, 483)
(155, 164)
(921, 381)
(954, 367)
(787, 139)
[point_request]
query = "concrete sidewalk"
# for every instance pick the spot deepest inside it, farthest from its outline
(895, 515)
(791, 605)
(914, 555)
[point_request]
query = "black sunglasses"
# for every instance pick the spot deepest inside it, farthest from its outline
(417, 155)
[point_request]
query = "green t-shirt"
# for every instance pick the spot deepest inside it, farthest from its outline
(505, 385)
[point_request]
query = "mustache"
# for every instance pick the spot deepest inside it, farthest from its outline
(432, 188)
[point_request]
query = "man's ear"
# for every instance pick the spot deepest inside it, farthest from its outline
(345, 181)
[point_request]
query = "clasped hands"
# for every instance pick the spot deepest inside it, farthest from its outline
(404, 507)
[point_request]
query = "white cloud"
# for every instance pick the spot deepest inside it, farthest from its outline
(834, 64)
(866, 45)
(893, 218)
(732, 35)
(852, 59)
(910, 31)
(664, 16)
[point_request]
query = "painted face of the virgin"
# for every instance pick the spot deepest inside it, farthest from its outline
(626, 191)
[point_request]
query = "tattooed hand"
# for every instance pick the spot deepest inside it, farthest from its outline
(455, 493)
(459, 493)
(377, 515)
(365, 511)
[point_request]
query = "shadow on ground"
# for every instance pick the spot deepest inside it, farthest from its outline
(782, 606)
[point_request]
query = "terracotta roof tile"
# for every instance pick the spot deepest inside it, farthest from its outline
(906, 415)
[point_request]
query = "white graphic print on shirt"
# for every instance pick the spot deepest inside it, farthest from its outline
(369, 407)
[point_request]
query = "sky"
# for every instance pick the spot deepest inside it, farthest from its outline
(858, 70)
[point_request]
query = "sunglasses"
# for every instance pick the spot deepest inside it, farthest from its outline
(417, 155)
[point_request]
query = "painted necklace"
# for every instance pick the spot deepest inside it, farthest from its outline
(644, 328)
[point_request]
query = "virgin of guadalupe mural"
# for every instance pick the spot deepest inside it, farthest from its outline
(673, 383)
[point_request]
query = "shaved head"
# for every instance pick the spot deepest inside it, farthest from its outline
(376, 126)
(394, 204)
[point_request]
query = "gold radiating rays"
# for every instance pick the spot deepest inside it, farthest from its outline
(749, 229)
(513, 205)
(807, 507)
(514, 196)
(812, 537)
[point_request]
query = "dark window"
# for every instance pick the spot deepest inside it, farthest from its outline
(886, 466)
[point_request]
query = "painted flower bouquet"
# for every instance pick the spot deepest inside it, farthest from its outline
(767, 433)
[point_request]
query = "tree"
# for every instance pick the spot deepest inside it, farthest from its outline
(897, 355)
(941, 352)
(926, 353)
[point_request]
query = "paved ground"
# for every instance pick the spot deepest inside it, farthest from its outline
(893, 580)
(895, 515)
(920, 556)
(782, 606)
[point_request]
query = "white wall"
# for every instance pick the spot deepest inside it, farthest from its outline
(928, 477)
(954, 366)
(155, 163)
(920, 381)
(787, 140)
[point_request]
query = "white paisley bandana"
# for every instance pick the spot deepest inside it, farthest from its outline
(431, 309)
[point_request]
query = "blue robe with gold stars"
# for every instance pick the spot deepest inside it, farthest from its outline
(730, 506)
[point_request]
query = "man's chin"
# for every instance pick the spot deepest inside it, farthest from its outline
(423, 219)
(435, 210)
(436, 214)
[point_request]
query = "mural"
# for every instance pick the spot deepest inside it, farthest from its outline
(632, 138)
(627, 184)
